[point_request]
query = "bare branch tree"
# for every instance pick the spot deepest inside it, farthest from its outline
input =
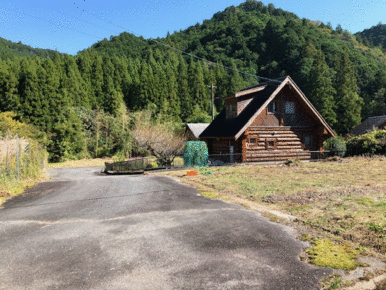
(158, 137)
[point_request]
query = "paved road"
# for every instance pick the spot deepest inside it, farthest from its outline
(88, 231)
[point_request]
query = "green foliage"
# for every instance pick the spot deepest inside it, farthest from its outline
(371, 143)
(10, 123)
(12, 50)
(325, 253)
(335, 284)
(375, 227)
(195, 153)
(32, 160)
(343, 77)
(204, 170)
(376, 35)
(349, 104)
(153, 164)
(336, 146)
(365, 201)
(199, 116)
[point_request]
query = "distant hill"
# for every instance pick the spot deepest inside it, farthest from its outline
(376, 35)
(124, 45)
(9, 49)
(342, 74)
(269, 42)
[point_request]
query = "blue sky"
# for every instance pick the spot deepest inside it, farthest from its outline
(70, 26)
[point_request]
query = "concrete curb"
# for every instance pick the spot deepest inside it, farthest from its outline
(367, 285)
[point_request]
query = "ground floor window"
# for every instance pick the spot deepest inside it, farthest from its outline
(270, 144)
(307, 140)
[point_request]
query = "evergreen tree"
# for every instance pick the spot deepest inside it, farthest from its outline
(236, 82)
(133, 90)
(198, 89)
(172, 98)
(221, 90)
(32, 108)
(72, 81)
(112, 98)
(146, 88)
(199, 116)
(9, 100)
(349, 103)
(183, 89)
(320, 88)
(97, 81)
(85, 62)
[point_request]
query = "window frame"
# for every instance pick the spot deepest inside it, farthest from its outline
(267, 145)
(273, 106)
(286, 107)
(305, 138)
(231, 111)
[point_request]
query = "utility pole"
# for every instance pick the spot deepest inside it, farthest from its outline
(212, 87)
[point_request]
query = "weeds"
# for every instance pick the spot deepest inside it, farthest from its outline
(381, 285)
(325, 253)
(375, 227)
(16, 173)
(339, 199)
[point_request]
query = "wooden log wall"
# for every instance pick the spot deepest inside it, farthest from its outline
(273, 144)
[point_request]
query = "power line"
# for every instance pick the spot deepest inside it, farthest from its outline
(136, 34)
(26, 14)
(184, 52)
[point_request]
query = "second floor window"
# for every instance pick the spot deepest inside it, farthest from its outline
(289, 108)
(231, 110)
(272, 108)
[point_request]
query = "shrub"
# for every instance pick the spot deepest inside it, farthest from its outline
(362, 145)
(336, 146)
(196, 154)
(375, 227)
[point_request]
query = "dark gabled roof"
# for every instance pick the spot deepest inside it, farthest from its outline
(197, 128)
(262, 95)
(222, 127)
(368, 125)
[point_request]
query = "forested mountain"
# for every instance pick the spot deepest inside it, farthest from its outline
(9, 49)
(376, 35)
(64, 95)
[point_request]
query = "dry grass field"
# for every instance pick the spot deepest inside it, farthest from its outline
(97, 162)
(343, 201)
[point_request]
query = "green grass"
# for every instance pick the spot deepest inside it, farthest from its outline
(325, 253)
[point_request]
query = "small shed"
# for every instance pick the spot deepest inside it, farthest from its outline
(194, 130)
(368, 125)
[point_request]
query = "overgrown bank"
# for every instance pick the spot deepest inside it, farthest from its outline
(22, 157)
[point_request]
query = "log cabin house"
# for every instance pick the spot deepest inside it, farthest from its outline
(268, 122)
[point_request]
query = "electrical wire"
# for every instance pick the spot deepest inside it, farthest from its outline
(136, 34)
(26, 14)
(184, 52)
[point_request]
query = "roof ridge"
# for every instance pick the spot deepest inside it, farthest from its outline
(377, 117)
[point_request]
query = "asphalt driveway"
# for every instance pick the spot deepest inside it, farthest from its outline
(82, 230)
